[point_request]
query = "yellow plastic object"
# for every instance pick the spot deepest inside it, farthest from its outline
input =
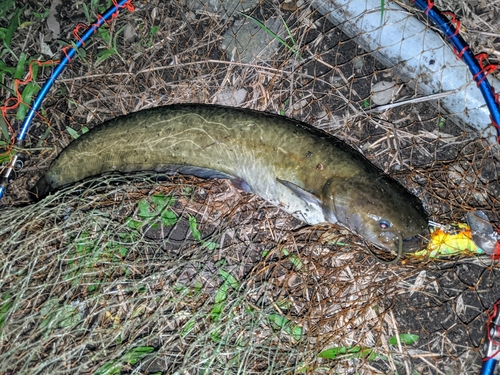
(450, 240)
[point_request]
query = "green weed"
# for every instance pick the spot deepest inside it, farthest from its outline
(382, 11)
(280, 322)
(5, 307)
(230, 282)
(14, 18)
(57, 315)
(131, 358)
(293, 47)
(74, 133)
(149, 212)
(152, 33)
(193, 226)
(87, 252)
(112, 50)
(367, 353)
(295, 260)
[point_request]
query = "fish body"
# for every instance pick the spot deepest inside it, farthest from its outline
(308, 173)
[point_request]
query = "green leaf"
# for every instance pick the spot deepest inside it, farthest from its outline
(382, 9)
(131, 357)
(287, 325)
(221, 295)
(168, 218)
(20, 68)
(79, 51)
(160, 200)
(144, 211)
(4, 309)
(275, 36)
(216, 312)
(34, 69)
(371, 355)
(92, 287)
(352, 352)
(4, 130)
(110, 368)
(14, 24)
(284, 304)
(187, 327)
(297, 262)
(5, 69)
(41, 16)
(229, 279)
(220, 299)
(115, 39)
(154, 30)
(123, 251)
(405, 338)
(296, 332)
(72, 132)
(194, 228)
(56, 315)
(209, 245)
(29, 91)
(5, 7)
(105, 54)
(69, 316)
(215, 336)
(104, 34)
(86, 12)
(136, 354)
(333, 353)
(133, 224)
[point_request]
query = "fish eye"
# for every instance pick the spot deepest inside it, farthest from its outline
(384, 224)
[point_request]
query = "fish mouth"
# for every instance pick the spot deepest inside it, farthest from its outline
(415, 243)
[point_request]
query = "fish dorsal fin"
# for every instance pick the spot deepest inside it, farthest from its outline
(303, 194)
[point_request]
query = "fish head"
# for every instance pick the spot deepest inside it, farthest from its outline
(380, 210)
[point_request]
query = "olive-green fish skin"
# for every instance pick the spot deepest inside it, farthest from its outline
(305, 171)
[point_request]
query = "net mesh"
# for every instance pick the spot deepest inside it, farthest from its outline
(149, 274)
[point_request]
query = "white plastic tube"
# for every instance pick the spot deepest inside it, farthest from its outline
(416, 53)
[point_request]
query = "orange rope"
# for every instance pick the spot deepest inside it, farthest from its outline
(17, 100)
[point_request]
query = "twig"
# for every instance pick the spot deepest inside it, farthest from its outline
(383, 108)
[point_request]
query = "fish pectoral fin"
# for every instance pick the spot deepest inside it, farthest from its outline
(241, 184)
(305, 195)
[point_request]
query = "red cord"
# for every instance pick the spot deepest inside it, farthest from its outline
(76, 30)
(460, 55)
(17, 100)
(455, 22)
(485, 70)
(430, 4)
(100, 20)
(492, 316)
